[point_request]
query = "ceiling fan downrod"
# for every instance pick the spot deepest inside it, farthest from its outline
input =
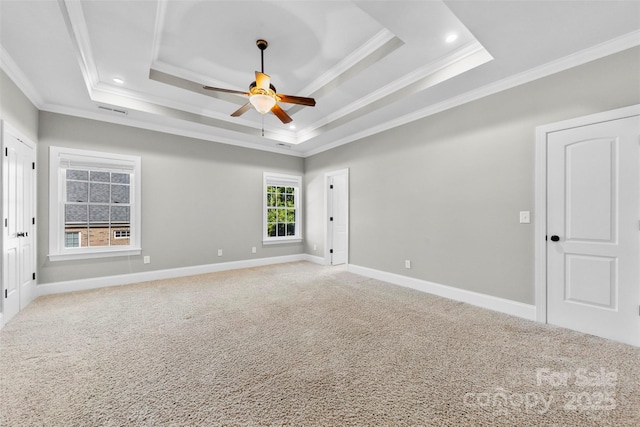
(262, 45)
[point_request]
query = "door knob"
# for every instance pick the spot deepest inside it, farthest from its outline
(555, 238)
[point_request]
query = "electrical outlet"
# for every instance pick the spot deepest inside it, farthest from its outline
(525, 217)
(219, 252)
(407, 263)
(253, 250)
(315, 247)
(146, 259)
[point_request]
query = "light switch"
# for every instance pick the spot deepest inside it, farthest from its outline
(525, 217)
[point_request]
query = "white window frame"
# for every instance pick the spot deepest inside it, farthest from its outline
(270, 179)
(60, 159)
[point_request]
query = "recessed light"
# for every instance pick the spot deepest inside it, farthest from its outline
(292, 126)
(451, 38)
(118, 80)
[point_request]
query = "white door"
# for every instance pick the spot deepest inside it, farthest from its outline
(338, 216)
(593, 229)
(18, 189)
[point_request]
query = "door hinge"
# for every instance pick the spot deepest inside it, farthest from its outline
(6, 151)
(6, 222)
(330, 218)
(34, 276)
(331, 187)
(6, 295)
(33, 165)
(330, 251)
(33, 220)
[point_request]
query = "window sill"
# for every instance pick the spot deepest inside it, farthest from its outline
(96, 254)
(282, 241)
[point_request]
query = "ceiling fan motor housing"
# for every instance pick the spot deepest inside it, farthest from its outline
(254, 84)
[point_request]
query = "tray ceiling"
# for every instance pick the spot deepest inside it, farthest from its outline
(370, 65)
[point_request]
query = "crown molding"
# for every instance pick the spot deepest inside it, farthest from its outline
(376, 48)
(16, 74)
(168, 129)
(160, 18)
(584, 56)
(460, 61)
(73, 17)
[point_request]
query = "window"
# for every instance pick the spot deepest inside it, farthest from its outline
(121, 234)
(94, 204)
(281, 206)
(72, 239)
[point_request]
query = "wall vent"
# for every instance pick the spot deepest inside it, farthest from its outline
(113, 110)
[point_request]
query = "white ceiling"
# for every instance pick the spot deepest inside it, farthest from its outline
(370, 65)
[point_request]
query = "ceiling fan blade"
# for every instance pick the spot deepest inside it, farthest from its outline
(217, 89)
(240, 111)
(300, 100)
(262, 80)
(281, 114)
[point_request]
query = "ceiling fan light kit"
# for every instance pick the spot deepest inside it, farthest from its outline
(262, 94)
(262, 103)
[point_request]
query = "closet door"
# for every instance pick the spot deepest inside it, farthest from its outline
(18, 236)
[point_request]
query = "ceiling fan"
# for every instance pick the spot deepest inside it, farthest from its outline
(262, 94)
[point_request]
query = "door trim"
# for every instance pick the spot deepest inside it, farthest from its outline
(327, 237)
(540, 210)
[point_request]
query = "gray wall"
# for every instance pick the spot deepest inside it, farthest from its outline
(197, 197)
(445, 191)
(16, 109)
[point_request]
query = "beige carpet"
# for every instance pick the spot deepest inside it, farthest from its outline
(301, 345)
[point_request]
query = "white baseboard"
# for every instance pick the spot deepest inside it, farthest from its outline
(314, 259)
(514, 308)
(128, 279)
(502, 305)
